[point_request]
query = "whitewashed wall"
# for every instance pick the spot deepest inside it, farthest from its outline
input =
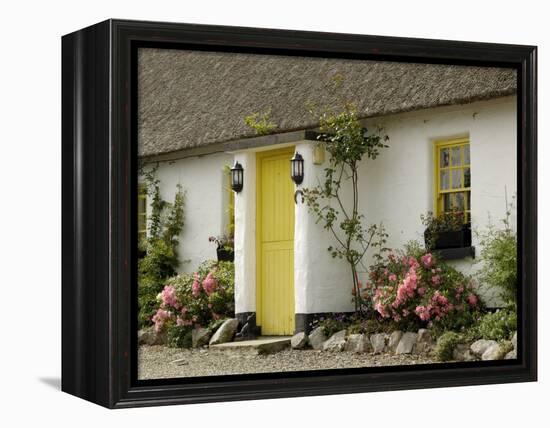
(395, 189)
(398, 187)
(245, 236)
(206, 200)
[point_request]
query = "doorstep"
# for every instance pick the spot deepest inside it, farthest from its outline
(262, 345)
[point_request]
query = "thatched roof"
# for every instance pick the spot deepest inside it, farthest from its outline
(189, 99)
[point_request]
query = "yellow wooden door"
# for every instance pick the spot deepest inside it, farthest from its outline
(275, 243)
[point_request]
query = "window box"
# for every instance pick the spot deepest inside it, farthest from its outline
(461, 238)
(225, 255)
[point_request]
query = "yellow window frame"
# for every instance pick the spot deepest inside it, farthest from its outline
(142, 211)
(439, 193)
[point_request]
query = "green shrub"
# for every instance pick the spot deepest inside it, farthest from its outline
(499, 258)
(261, 123)
(446, 344)
(499, 325)
(179, 336)
(331, 324)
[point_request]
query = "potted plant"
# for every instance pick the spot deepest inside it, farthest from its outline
(448, 230)
(224, 248)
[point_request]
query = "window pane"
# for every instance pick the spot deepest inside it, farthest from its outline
(141, 205)
(467, 182)
(141, 222)
(444, 158)
(469, 205)
(457, 178)
(444, 179)
(467, 154)
(447, 204)
(459, 201)
(455, 156)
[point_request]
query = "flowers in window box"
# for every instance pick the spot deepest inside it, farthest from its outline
(447, 230)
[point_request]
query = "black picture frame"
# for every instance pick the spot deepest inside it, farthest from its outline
(99, 183)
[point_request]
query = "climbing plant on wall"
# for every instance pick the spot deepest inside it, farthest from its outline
(159, 249)
(347, 143)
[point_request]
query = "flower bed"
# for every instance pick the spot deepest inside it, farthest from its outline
(414, 287)
(195, 301)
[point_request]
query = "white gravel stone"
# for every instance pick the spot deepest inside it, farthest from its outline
(462, 353)
(512, 355)
(299, 340)
(406, 344)
(493, 352)
(395, 337)
(317, 338)
(358, 343)
(480, 346)
(378, 342)
(336, 342)
(155, 362)
(226, 332)
(424, 341)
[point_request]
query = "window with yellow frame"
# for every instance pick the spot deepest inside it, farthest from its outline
(452, 177)
(142, 212)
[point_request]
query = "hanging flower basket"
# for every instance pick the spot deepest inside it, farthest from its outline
(225, 254)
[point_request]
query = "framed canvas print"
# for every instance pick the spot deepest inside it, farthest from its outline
(252, 213)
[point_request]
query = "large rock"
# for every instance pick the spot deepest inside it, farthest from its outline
(515, 341)
(378, 342)
(317, 338)
(395, 337)
(336, 342)
(200, 337)
(226, 332)
(358, 343)
(462, 353)
(512, 355)
(299, 340)
(424, 342)
(493, 352)
(148, 336)
(406, 344)
(480, 346)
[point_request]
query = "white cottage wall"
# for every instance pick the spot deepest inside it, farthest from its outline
(395, 189)
(245, 236)
(398, 187)
(206, 200)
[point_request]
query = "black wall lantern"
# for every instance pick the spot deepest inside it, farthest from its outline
(297, 168)
(237, 173)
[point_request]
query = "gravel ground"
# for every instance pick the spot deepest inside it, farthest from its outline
(156, 362)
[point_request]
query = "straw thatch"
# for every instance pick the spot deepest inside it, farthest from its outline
(189, 99)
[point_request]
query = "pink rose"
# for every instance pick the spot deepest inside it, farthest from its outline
(196, 287)
(427, 260)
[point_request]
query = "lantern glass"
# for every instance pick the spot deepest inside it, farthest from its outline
(237, 175)
(297, 168)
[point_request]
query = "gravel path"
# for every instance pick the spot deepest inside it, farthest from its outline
(157, 362)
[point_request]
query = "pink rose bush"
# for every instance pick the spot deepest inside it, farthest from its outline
(415, 287)
(197, 300)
